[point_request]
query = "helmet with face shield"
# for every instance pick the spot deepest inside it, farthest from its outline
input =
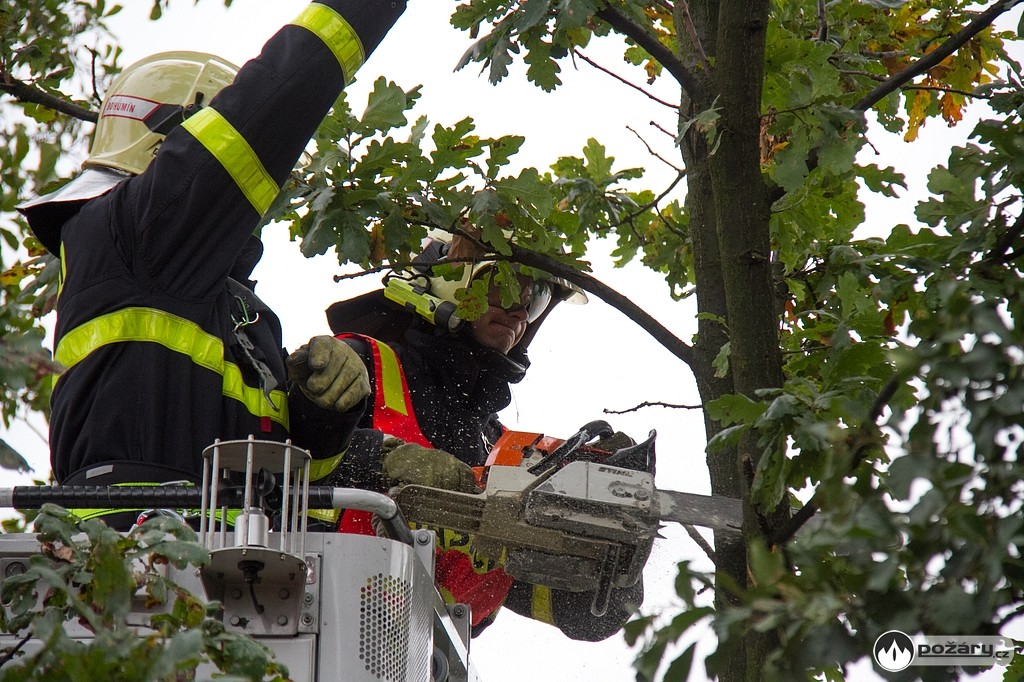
(434, 291)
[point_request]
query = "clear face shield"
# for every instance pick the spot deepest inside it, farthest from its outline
(534, 297)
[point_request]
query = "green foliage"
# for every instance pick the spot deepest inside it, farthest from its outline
(658, 634)
(376, 169)
(42, 53)
(91, 575)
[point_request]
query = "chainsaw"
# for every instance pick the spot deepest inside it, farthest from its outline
(572, 514)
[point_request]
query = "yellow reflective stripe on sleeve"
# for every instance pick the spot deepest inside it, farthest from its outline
(236, 156)
(337, 34)
(540, 608)
(179, 335)
(318, 468)
(391, 378)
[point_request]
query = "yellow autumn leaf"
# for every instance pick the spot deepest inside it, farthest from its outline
(651, 67)
(952, 109)
(14, 275)
(377, 251)
(916, 114)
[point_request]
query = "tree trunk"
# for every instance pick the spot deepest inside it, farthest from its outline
(728, 206)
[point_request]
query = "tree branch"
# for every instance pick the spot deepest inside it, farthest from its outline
(613, 298)
(822, 34)
(584, 281)
(642, 37)
(655, 403)
(691, 32)
(24, 92)
(955, 42)
(701, 542)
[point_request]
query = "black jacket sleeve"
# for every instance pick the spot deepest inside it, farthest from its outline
(324, 433)
(193, 219)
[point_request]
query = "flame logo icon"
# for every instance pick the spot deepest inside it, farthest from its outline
(894, 651)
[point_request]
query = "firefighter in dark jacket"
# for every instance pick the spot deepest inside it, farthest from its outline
(433, 415)
(164, 345)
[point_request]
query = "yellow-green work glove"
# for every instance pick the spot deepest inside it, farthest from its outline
(412, 464)
(329, 373)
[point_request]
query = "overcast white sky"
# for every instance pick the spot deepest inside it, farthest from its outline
(587, 359)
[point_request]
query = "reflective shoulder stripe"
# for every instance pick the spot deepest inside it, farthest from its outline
(337, 34)
(236, 156)
(540, 608)
(177, 334)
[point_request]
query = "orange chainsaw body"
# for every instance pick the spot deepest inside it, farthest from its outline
(513, 447)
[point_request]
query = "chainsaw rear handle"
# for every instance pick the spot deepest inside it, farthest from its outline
(190, 497)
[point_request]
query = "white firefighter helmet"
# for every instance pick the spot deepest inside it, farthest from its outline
(144, 103)
(439, 246)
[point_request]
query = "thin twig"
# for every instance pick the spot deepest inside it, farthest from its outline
(591, 285)
(822, 35)
(658, 126)
(622, 80)
(953, 91)
(657, 200)
(15, 649)
(654, 403)
(653, 153)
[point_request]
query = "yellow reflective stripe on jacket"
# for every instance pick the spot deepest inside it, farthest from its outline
(391, 380)
(326, 515)
(236, 156)
(337, 34)
(86, 514)
(179, 335)
(540, 608)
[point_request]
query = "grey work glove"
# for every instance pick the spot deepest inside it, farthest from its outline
(412, 464)
(329, 373)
